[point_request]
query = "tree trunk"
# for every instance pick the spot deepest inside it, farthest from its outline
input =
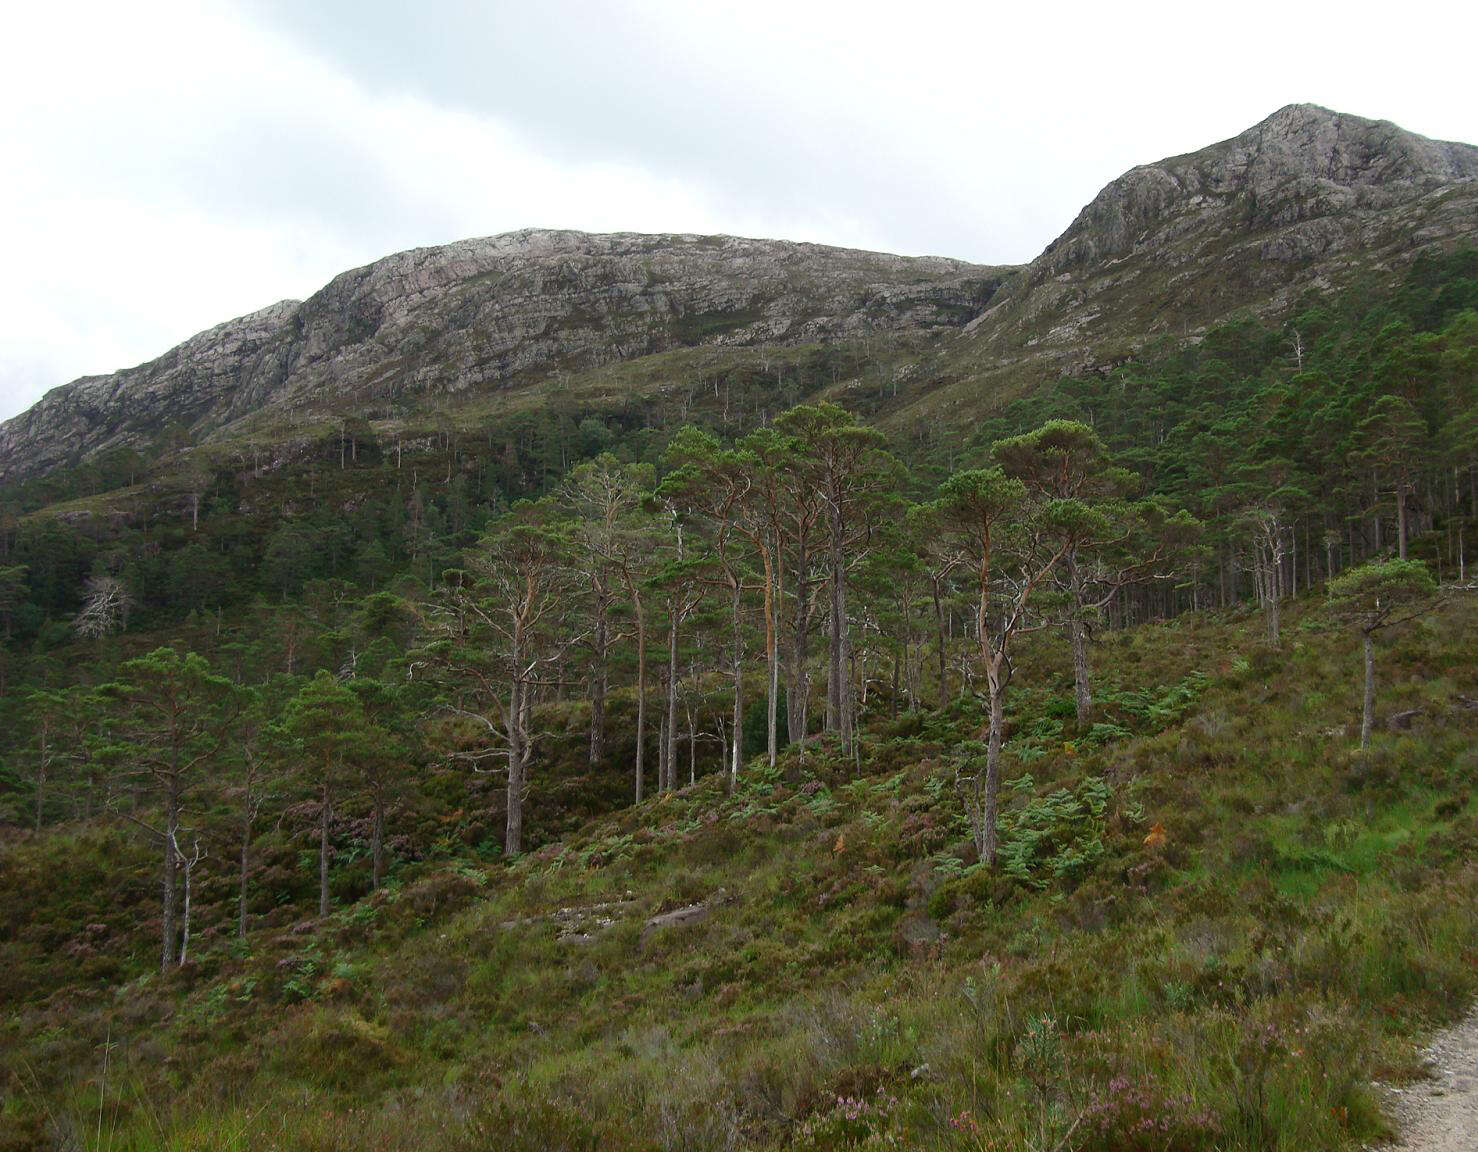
(737, 663)
(185, 918)
(242, 874)
(943, 649)
(1367, 711)
(798, 693)
(692, 750)
(1292, 583)
(847, 694)
(1401, 519)
(772, 663)
(670, 735)
(323, 815)
(663, 776)
(774, 707)
(836, 654)
(986, 838)
(598, 686)
(1082, 676)
(1078, 635)
(517, 761)
(830, 718)
(377, 841)
(641, 686)
(171, 824)
(41, 777)
(994, 667)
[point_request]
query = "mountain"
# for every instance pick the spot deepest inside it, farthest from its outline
(541, 694)
(478, 314)
(1305, 201)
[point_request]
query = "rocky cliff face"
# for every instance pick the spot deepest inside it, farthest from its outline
(182, 387)
(1301, 201)
(1304, 200)
(1301, 165)
(481, 313)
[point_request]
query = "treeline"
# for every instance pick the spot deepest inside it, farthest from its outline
(789, 568)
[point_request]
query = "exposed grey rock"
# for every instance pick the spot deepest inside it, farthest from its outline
(1302, 164)
(684, 917)
(480, 313)
(578, 924)
(182, 387)
(688, 916)
(1403, 720)
(1305, 200)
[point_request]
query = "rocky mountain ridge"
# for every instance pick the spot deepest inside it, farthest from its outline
(1302, 163)
(1304, 201)
(478, 314)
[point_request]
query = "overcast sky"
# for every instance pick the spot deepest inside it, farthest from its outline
(172, 165)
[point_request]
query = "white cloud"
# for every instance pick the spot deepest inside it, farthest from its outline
(175, 166)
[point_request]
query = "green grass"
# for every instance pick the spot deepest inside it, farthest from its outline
(858, 981)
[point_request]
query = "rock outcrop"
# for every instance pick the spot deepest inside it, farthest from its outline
(1302, 164)
(1303, 200)
(481, 313)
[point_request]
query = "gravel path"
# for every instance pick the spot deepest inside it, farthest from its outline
(1441, 1114)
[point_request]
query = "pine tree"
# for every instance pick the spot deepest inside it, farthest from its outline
(172, 714)
(1377, 597)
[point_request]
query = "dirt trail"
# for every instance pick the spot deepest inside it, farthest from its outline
(1441, 1114)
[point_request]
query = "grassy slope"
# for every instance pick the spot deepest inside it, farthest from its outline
(854, 982)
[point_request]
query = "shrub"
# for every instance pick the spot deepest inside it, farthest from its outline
(1139, 1117)
(853, 1122)
(1057, 836)
(340, 1051)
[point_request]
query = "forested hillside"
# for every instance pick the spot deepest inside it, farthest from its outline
(714, 768)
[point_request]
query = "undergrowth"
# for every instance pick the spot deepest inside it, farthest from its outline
(1216, 925)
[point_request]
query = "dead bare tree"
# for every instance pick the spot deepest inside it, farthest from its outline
(187, 865)
(105, 608)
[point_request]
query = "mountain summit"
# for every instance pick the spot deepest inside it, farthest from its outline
(1302, 163)
(1306, 200)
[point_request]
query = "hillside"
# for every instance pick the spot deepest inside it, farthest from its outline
(566, 692)
(1217, 920)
